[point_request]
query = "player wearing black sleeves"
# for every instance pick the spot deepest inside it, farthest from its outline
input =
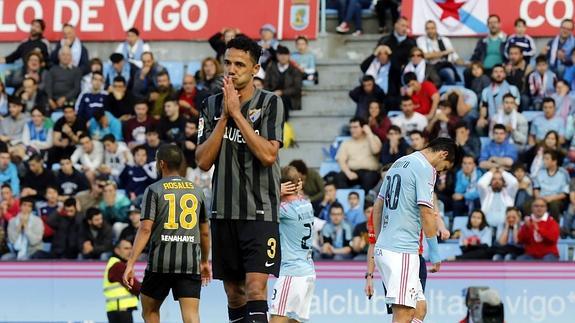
(240, 132)
(174, 221)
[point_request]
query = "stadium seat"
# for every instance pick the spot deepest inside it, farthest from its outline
(448, 249)
(564, 251)
(484, 141)
(328, 166)
(459, 222)
(341, 196)
(193, 67)
(176, 71)
(530, 115)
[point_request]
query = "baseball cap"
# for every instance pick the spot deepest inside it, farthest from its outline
(269, 27)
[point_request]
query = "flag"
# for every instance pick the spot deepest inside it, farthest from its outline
(453, 17)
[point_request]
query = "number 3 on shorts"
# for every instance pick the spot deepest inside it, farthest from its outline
(272, 248)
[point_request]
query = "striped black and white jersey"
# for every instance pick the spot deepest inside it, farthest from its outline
(243, 189)
(177, 208)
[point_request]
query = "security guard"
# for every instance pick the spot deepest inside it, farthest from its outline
(120, 301)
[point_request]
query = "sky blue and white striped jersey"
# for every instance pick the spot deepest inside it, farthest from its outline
(408, 184)
(296, 227)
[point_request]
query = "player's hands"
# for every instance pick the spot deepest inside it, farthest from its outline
(128, 277)
(368, 289)
(206, 273)
(444, 234)
(435, 267)
(232, 98)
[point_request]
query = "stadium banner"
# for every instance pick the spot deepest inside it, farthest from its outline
(72, 291)
(469, 17)
(108, 20)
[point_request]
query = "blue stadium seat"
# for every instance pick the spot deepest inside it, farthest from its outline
(193, 67)
(530, 115)
(10, 90)
(448, 249)
(176, 71)
(341, 196)
(484, 141)
(563, 247)
(327, 167)
(459, 222)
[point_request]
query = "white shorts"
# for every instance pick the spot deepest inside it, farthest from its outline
(292, 297)
(400, 274)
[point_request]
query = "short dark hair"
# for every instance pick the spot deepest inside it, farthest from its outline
(554, 154)
(97, 73)
(541, 59)
(445, 103)
(134, 31)
(92, 212)
(301, 37)
(461, 124)
(36, 157)
(335, 205)
(299, 165)
(109, 137)
(367, 78)
(171, 155)
(247, 45)
(518, 166)
(353, 193)
(494, 16)
(141, 100)
(37, 108)
(27, 199)
(518, 21)
(547, 100)
(448, 145)
(116, 58)
(508, 95)
(84, 135)
(499, 126)
(172, 98)
(162, 73)
(394, 128)
(41, 22)
(282, 50)
(119, 79)
(497, 66)
(468, 156)
(6, 185)
(367, 204)
(513, 208)
(69, 202)
(415, 132)
(68, 106)
(516, 47)
(361, 121)
(406, 98)
(53, 187)
(138, 148)
(408, 77)
(98, 115)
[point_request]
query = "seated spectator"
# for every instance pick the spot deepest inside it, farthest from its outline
(269, 45)
(188, 145)
(37, 137)
(152, 143)
(524, 185)
(96, 65)
(499, 152)
(439, 52)
(337, 235)
(357, 157)
(34, 68)
(365, 93)
(476, 236)
(444, 189)
(559, 48)
(62, 82)
(360, 240)
(470, 144)
(541, 83)
(88, 157)
(93, 196)
(539, 234)
(37, 178)
(44, 209)
(378, 120)
(354, 215)
(518, 69)
(121, 68)
(565, 106)
(220, 39)
(135, 128)
(24, 232)
(284, 79)
(409, 120)
(211, 79)
(135, 178)
(489, 51)
(95, 237)
(424, 95)
(67, 132)
(492, 95)
(160, 94)
(329, 199)
(466, 196)
(442, 124)
(114, 207)
(399, 42)
(507, 245)
(10, 205)
(497, 191)
(417, 140)
(552, 184)
(80, 58)
(120, 101)
(35, 42)
(129, 232)
(117, 156)
(66, 223)
(189, 105)
(394, 147)
(521, 41)
(172, 125)
(381, 8)
(352, 11)
(31, 97)
(422, 70)
(386, 75)
(3, 100)
(541, 125)
(304, 61)
(69, 180)
(104, 123)
(8, 171)
(12, 126)
(534, 155)
(92, 100)
(133, 48)
(145, 79)
(514, 122)
(478, 79)
(463, 101)
(313, 184)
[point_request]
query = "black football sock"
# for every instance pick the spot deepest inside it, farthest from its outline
(257, 312)
(237, 315)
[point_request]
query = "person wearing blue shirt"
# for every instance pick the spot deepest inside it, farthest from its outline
(104, 123)
(466, 196)
(541, 125)
(8, 171)
(337, 235)
(305, 61)
(559, 48)
(354, 215)
(552, 184)
(92, 100)
(499, 152)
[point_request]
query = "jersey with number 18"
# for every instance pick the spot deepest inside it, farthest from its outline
(296, 225)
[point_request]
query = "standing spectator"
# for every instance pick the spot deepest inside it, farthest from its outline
(313, 184)
(92, 100)
(304, 60)
(478, 79)
(25, 232)
(385, 74)
(439, 52)
(8, 171)
(95, 238)
(520, 39)
(497, 191)
(558, 49)
(539, 234)
(269, 44)
(353, 12)
(541, 83)
(499, 152)
(466, 196)
(189, 105)
(34, 67)
(337, 235)
(365, 93)
(80, 58)
(357, 157)
(422, 70)
(31, 97)
(37, 178)
(399, 42)
(172, 125)
(515, 123)
(114, 207)
(146, 77)
(117, 156)
(518, 69)
(354, 214)
(424, 95)
(120, 100)
(442, 124)
(69, 180)
(220, 39)
(476, 236)
(10, 205)
(96, 65)
(36, 42)
(507, 237)
(394, 147)
(470, 144)
(409, 120)
(67, 132)
(135, 128)
(121, 68)
(329, 199)
(211, 78)
(66, 223)
(12, 126)
(378, 120)
(541, 125)
(104, 123)
(133, 48)
(284, 79)
(137, 177)
(552, 184)
(160, 94)
(492, 95)
(491, 49)
(88, 157)
(63, 81)
(93, 196)
(381, 8)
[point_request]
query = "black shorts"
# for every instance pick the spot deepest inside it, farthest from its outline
(241, 246)
(158, 285)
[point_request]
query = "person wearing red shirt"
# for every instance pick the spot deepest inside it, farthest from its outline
(187, 97)
(135, 128)
(10, 206)
(539, 234)
(424, 95)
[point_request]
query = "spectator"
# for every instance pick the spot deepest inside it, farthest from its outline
(354, 214)
(497, 191)
(569, 74)
(337, 235)
(357, 157)
(92, 100)
(137, 177)
(313, 184)
(10, 205)
(25, 232)
(69, 180)
(220, 39)
(424, 95)
(507, 240)
(444, 189)
(539, 234)
(491, 49)
(133, 48)
(34, 67)
(360, 240)
(114, 207)
(329, 199)
(96, 65)
(66, 223)
(417, 140)
(394, 147)
(50, 204)
(172, 126)
(534, 155)
(353, 12)
(117, 156)
(160, 94)
(189, 143)
(35, 42)
(517, 69)
(304, 61)
(88, 157)
(525, 186)
(381, 7)
(386, 75)
(422, 70)
(568, 229)
(92, 197)
(8, 171)
(515, 123)
(399, 42)
(80, 58)
(284, 79)
(104, 123)
(95, 237)
(499, 152)
(31, 97)
(541, 125)
(378, 121)
(37, 178)
(146, 77)
(189, 106)
(492, 95)
(12, 126)
(439, 53)
(409, 120)
(63, 81)
(269, 45)
(153, 142)
(135, 128)
(3, 100)
(565, 106)
(466, 196)
(120, 101)
(478, 79)
(121, 68)
(211, 78)
(470, 144)
(36, 136)
(476, 236)
(523, 41)
(541, 83)
(365, 93)
(559, 48)
(552, 184)
(442, 124)
(129, 232)
(67, 132)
